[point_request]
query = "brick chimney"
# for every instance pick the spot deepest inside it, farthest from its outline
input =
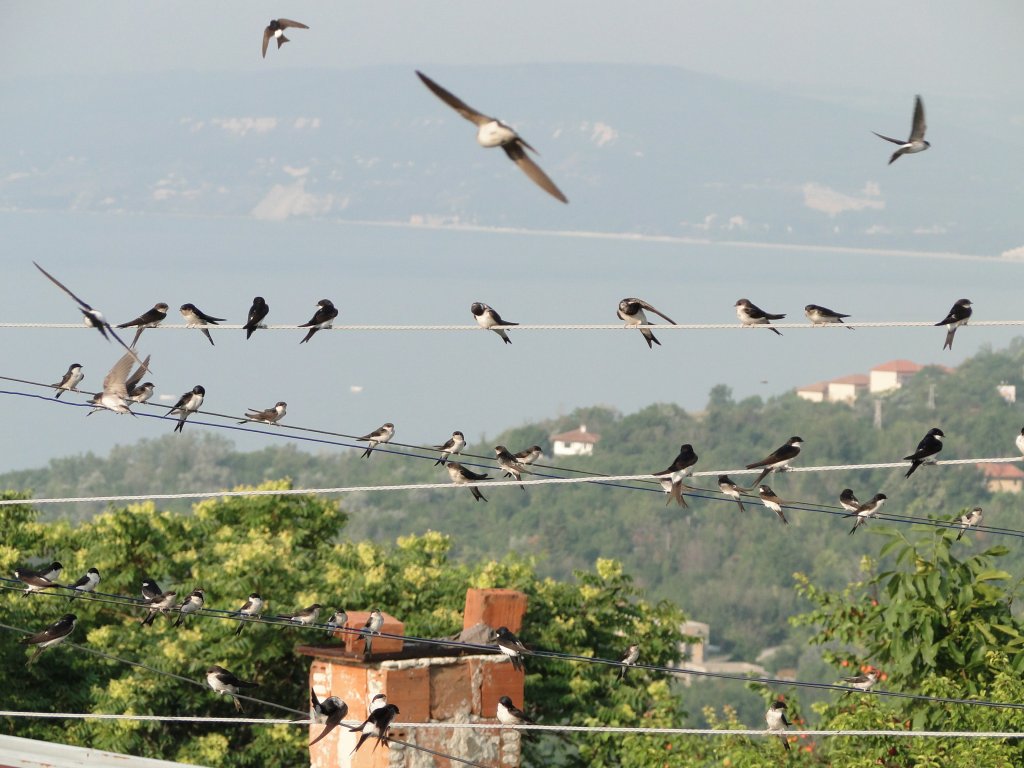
(429, 683)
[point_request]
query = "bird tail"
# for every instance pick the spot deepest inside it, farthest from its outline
(894, 141)
(504, 336)
(35, 656)
(913, 465)
(367, 452)
(949, 338)
(440, 461)
(60, 392)
(281, 41)
(477, 494)
(961, 534)
(742, 508)
(241, 626)
(650, 337)
(238, 704)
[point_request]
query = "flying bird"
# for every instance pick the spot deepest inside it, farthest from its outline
(257, 312)
(161, 603)
(377, 723)
(751, 314)
(92, 317)
(489, 319)
(867, 510)
(778, 460)
(50, 636)
(453, 445)
(534, 452)
(382, 434)
(151, 318)
(275, 29)
(491, 132)
(222, 681)
(322, 318)
(509, 464)
(69, 380)
(628, 659)
(331, 708)
(114, 396)
(460, 475)
(848, 501)
(777, 721)
(680, 469)
(253, 606)
(916, 142)
(632, 311)
(269, 416)
(303, 618)
(191, 604)
(929, 446)
(969, 520)
(373, 625)
(509, 645)
(958, 315)
(196, 318)
(823, 315)
(187, 405)
(772, 501)
(86, 583)
(730, 489)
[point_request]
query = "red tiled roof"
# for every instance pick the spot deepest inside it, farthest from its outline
(857, 379)
(1002, 471)
(821, 386)
(577, 436)
(899, 366)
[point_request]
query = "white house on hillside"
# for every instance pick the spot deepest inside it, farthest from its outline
(892, 375)
(579, 442)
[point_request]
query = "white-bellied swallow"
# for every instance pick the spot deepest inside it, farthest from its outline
(778, 460)
(137, 393)
(534, 452)
(958, 315)
(679, 470)
(819, 315)
(196, 318)
(322, 318)
(304, 618)
(114, 396)
(92, 317)
(373, 625)
(191, 604)
(929, 446)
(509, 645)
(269, 416)
(1019, 442)
(150, 589)
(222, 681)
(69, 380)
(631, 310)
(628, 659)
(491, 132)
(377, 723)
(382, 434)
(461, 475)
(51, 635)
(161, 603)
(332, 709)
(253, 606)
(772, 501)
(777, 721)
(673, 491)
(151, 318)
(453, 445)
(865, 681)
(509, 714)
(379, 700)
(970, 520)
(509, 464)
(37, 581)
(141, 393)
(257, 312)
(275, 29)
(867, 510)
(187, 404)
(751, 314)
(916, 142)
(728, 487)
(51, 572)
(848, 501)
(86, 583)
(487, 318)
(338, 620)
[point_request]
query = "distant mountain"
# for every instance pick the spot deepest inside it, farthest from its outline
(637, 149)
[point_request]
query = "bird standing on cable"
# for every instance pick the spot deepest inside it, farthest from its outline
(377, 723)
(382, 434)
(534, 452)
(150, 589)
(149, 319)
(958, 315)
(331, 708)
(86, 583)
(323, 318)
(253, 606)
(191, 604)
(490, 319)
(187, 405)
(916, 142)
(862, 682)
(161, 603)
(509, 464)
(848, 501)
(337, 621)
(509, 714)
(275, 29)
(460, 475)
(677, 471)
(929, 446)
(453, 445)
(491, 132)
(303, 618)
(728, 487)
(222, 681)
(970, 520)
(777, 721)
(779, 459)
(750, 314)
(37, 581)
(196, 318)
(772, 501)
(257, 312)
(69, 380)
(819, 315)
(50, 636)
(271, 415)
(509, 645)
(373, 625)
(866, 511)
(632, 311)
(628, 659)
(1019, 442)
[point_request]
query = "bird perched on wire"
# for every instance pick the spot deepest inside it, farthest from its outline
(509, 464)
(222, 681)
(777, 721)
(509, 714)
(628, 659)
(632, 311)
(488, 318)
(865, 681)
(257, 312)
(373, 625)
(163, 602)
(382, 434)
(958, 315)
(253, 606)
(929, 446)
(750, 314)
(779, 459)
(819, 315)
(510, 645)
(271, 415)
(37, 581)
(191, 604)
(461, 475)
(51, 635)
(772, 501)
(970, 520)
(116, 385)
(323, 318)
(151, 318)
(86, 583)
(848, 501)
(866, 511)
(187, 404)
(332, 709)
(377, 723)
(71, 379)
(304, 617)
(731, 489)
(680, 468)
(196, 318)
(453, 445)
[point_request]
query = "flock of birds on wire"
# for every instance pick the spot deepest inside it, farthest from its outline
(122, 387)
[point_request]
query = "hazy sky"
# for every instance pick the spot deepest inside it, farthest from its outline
(930, 47)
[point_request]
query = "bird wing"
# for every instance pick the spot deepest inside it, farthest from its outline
(115, 382)
(136, 377)
(63, 287)
(207, 318)
(290, 23)
(266, 39)
(256, 314)
(918, 127)
(648, 307)
(889, 138)
(453, 101)
(517, 155)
